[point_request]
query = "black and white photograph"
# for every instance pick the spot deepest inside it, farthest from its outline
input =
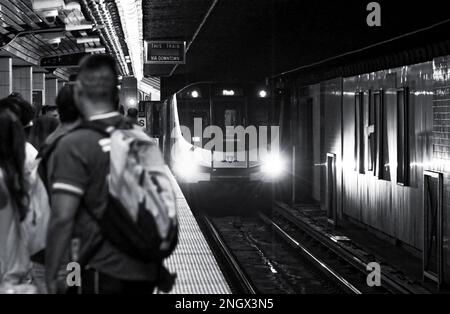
(224, 155)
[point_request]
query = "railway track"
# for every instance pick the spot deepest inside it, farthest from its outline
(333, 258)
(261, 262)
(306, 252)
(347, 272)
(236, 276)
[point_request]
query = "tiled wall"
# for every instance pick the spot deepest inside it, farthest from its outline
(39, 81)
(441, 143)
(5, 77)
(23, 81)
(51, 90)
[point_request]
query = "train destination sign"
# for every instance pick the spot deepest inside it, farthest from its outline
(165, 52)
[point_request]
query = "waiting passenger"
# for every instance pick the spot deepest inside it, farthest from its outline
(79, 192)
(132, 114)
(42, 127)
(24, 111)
(69, 117)
(14, 257)
(50, 111)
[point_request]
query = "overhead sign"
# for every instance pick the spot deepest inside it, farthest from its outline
(62, 61)
(165, 52)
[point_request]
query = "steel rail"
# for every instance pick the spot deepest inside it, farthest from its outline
(305, 252)
(237, 270)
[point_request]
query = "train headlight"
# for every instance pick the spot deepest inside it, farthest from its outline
(262, 93)
(186, 167)
(195, 94)
(273, 165)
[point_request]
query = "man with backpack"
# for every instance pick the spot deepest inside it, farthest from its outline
(113, 209)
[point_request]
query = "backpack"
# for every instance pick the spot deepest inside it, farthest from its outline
(140, 218)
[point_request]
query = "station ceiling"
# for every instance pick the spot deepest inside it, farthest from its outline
(255, 39)
(29, 35)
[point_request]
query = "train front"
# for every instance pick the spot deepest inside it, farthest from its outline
(224, 149)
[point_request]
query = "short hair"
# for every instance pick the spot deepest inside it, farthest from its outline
(98, 77)
(47, 109)
(65, 102)
(132, 113)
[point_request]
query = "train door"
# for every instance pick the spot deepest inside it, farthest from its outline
(229, 113)
(331, 205)
(302, 152)
(432, 249)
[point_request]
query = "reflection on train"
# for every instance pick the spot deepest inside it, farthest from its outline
(369, 145)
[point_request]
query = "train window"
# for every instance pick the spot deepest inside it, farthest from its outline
(359, 132)
(382, 149)
(403, 136)
(371, 135)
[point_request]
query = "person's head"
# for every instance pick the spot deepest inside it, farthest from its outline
(65, 102)
(12, 158)
(41, 129)
(96, 85)
(132, 113)
(50, 111)
(20, 107)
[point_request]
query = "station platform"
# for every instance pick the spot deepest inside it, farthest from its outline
(193, 260)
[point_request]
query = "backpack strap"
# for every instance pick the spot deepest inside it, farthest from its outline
(44, 153)
(106, 129)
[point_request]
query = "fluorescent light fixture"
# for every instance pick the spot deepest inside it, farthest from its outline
(54, 41)
(93, 50)
(227, 92)
(195, 94)
(45, 5)
(78, 27)
(87, 40)
(73, 5)
(49, 13)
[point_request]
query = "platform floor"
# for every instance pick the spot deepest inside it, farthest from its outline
(197, 269)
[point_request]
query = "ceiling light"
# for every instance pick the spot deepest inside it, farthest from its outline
(87, 40)
(97, 49)
(78, 27)
(45, 5)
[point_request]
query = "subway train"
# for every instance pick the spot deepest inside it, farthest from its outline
(221, 145)
(366, 138)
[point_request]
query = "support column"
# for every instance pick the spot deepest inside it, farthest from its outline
(38, 90)
(5, 76)
(51, 90)
(60, 85)
(23, 81)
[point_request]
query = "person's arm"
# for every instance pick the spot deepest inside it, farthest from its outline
(64, 208)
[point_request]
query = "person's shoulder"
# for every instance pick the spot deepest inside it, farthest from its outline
(78, 140)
